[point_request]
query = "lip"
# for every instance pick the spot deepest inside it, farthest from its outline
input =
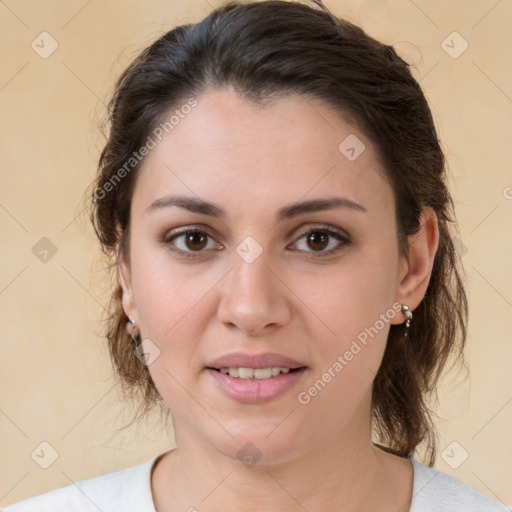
(255, 391)
(244, 360)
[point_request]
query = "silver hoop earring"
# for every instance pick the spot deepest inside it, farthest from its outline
(408, 317)
(132, 331)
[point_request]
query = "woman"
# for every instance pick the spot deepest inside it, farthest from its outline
(273, 195)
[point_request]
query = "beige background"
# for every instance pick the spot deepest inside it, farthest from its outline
(55, 377)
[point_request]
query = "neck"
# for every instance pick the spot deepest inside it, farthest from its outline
(312, 482)
(345, 469)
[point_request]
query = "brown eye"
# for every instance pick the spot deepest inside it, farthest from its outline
(195, 240)
(190, 243)
(322, 242)
(318, 240)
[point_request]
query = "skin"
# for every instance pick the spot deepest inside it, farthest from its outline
(252, 161)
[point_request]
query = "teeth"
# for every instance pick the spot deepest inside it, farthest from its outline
(254, 373)
(263, 373)
(246, 373)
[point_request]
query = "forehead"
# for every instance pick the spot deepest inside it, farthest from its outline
(232, 149)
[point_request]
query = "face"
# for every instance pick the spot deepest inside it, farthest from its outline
(253, 280)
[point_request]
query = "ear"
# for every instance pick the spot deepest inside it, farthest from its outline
(417, 267)
(125, 280)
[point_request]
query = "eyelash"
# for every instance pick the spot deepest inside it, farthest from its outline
(343, 238)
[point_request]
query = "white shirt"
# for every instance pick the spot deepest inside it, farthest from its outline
(129, 490)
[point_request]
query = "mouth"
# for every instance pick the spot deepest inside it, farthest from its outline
(254, 379)
(256, 373)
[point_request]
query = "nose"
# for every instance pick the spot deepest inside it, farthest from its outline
(254, 298)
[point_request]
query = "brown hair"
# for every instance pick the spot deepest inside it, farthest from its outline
(272, 48)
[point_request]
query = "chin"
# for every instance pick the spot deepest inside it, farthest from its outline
(263, 443)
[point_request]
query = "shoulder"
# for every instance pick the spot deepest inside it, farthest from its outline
(434, 490)
(127, 489)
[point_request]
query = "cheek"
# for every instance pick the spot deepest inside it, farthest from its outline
(351, 297)
(168, 294)
(175, 307)
(171, 306)
(356, 306)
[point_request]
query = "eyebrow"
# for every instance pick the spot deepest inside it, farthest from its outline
(197, 205)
